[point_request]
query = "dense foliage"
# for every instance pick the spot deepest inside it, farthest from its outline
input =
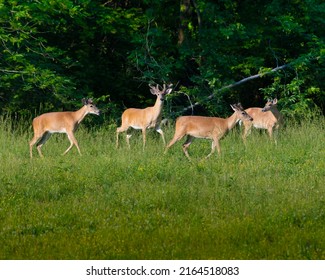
(54, 52)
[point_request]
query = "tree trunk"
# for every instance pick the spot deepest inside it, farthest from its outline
(185, 11)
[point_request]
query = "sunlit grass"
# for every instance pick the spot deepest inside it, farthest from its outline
(255, 201)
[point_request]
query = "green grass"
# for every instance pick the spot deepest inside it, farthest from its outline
(262, 201)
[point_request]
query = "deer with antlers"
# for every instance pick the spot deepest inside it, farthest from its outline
(60, 122)
(206, 127)
(143, 119)
(268, 118)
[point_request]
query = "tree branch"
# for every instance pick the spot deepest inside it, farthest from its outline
(13, 71)
(199, 21)
(234, 85)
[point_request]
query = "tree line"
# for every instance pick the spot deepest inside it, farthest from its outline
(55, 52)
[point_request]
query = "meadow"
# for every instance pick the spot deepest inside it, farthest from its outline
(255, 201)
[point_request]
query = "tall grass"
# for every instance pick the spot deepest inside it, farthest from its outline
(259, 201)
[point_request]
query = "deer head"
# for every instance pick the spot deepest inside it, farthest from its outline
(269, 104)
(161, 92)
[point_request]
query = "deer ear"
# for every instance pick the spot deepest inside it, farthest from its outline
(275, 101)
(153, 91)
(169, 90)
(233, 107)
(238, 105)
(84, 101)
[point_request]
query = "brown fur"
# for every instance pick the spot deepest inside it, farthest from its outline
(268, 118)
(59, 122)
(143, 119)
(206, 127)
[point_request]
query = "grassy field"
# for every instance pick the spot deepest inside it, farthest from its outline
(262, 201)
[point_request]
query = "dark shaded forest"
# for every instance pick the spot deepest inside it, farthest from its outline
(55, 52)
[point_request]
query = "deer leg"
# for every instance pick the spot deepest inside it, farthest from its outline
(128, 136)
(270, 131)
(41, 142)
(73, 141)
(247, 129)
(162, 134)
(118, 131)
(144, 137)
(218, 146)
(32, 143)
(186, 145)
(215, 143)
(276, 133)
(176, 138)
(213, 148)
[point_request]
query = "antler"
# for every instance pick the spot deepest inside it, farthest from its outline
(86, 101)
(163, 88)
(154, 89)
(238, 105)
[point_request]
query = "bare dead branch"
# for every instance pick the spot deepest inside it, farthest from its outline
(234, 85)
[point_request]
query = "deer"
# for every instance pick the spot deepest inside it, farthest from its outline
(60, 122)
(143, 119)
(213, 128)
(268, 118)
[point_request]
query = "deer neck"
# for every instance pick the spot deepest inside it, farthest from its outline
(80, 114)
(275, 112)
(158, 105)
(231, 121)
